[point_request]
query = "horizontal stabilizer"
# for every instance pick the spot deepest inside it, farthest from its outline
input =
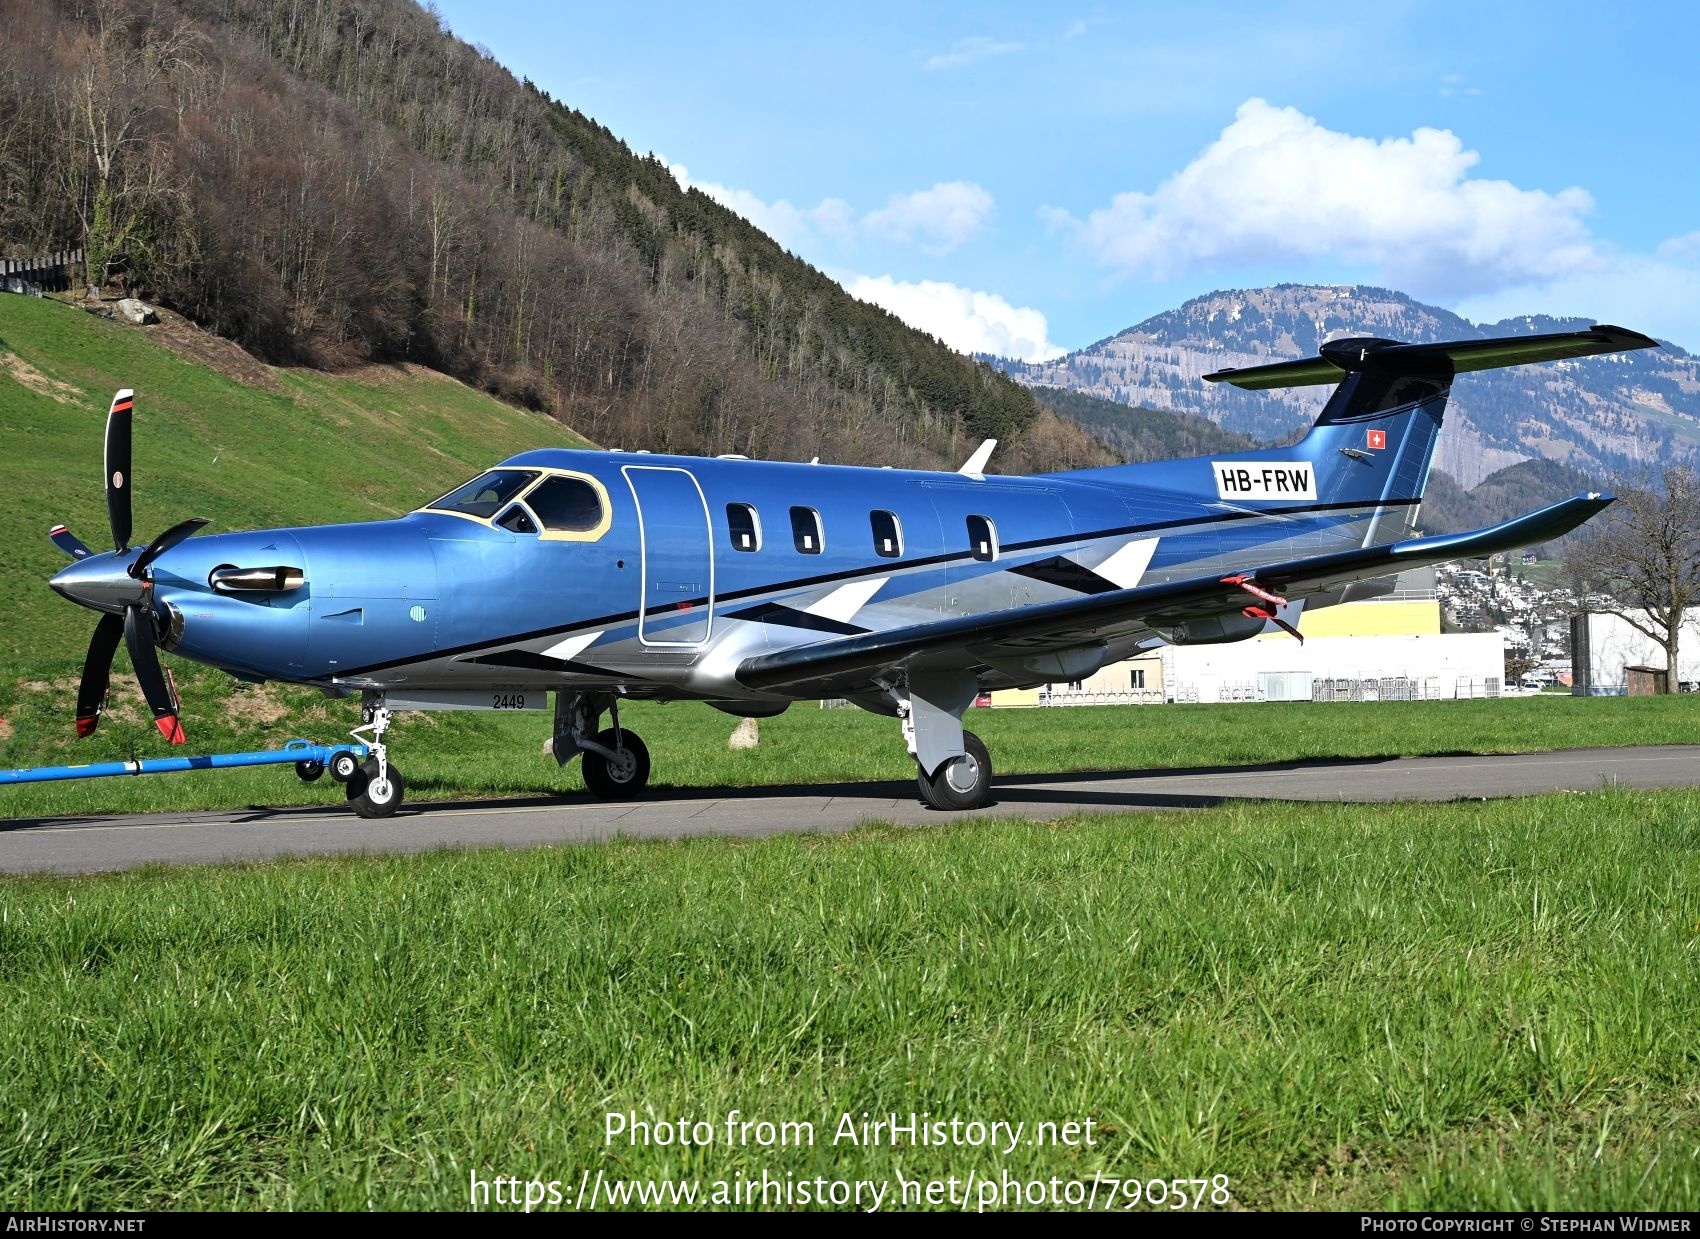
(1339, 357)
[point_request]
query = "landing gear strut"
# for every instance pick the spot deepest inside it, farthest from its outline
(616, 762)
(376, 788)
(952, 768)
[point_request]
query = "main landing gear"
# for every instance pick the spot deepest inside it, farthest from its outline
(952, 767)
(616, 762)
(962, 782)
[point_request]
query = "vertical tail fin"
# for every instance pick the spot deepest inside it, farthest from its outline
(1376, 435)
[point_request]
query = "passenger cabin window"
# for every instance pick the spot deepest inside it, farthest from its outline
(517, 519)
(483, 497)
(567, 505)
(982, 538)
(888, 533)
(805, 531)
(744, 526)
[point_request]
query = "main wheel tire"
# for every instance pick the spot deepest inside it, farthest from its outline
(961, 783)
(309, 771)
(343, 766)
(621, 779)
(369, 797)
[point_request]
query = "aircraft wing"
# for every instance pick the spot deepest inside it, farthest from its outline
(855, 659)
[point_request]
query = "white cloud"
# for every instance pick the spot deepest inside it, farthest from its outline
(968, 50)
(967, 320)
(1658, 294)
(792, 226)
(1076, 28)
(940, 218)
(1276, 186)
(1683, 248)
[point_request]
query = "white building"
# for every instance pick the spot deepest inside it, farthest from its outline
(1603, 646)
(1389, 649)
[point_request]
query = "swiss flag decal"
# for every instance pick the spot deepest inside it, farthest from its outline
(1378, 439)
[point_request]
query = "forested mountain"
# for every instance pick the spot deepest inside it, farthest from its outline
(1599, 414)
(1139, 434)
(328, 181)
(1513, 491)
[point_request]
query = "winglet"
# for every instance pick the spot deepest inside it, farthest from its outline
(976, 464)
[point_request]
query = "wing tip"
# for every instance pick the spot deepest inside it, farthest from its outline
(1623, 338)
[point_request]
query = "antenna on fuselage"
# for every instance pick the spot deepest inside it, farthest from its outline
(977, 462)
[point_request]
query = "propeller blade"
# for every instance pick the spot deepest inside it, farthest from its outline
(138, 635)
(160, 545)
(97, 673)
(68, 542)
(118, 467)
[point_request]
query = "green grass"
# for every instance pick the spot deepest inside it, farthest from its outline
(312, 449)
(1442, 1007)
(474, 755)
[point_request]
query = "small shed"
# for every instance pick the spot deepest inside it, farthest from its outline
(1644, 681)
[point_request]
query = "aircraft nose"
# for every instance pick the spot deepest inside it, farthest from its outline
(101, 582)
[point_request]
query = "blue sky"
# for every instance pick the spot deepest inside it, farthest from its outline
(1032, 179)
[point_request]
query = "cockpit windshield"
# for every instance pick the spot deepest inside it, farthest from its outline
(484, 496)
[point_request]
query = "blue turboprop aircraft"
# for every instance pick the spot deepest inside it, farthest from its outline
(749, 584)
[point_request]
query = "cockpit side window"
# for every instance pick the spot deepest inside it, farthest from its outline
(567, 505)
(517, 520)
(484, 496)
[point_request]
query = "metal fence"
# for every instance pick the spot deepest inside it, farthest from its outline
(1380, 688)
(46, 273)
(1083, 697)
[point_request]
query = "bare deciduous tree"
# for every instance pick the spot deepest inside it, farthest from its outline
(1640, 559)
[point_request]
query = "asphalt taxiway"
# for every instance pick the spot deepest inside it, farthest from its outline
(91, 844)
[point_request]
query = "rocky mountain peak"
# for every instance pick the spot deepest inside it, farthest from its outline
(1597, 414)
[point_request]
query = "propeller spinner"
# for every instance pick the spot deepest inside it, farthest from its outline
(118, 584)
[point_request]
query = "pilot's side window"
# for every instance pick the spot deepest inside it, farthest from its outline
(888, 533)
(567, 505)
(744, 526)
(517, 519)
(982, 538)
(806, 531)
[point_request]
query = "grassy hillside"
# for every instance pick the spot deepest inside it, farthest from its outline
(220, 436)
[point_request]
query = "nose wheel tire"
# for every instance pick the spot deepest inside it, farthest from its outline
(621, 777)
(961, 783)
(370, 796)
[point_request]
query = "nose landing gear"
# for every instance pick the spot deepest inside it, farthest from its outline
(374, 789)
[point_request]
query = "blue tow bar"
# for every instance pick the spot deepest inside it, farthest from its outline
(293, 752)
